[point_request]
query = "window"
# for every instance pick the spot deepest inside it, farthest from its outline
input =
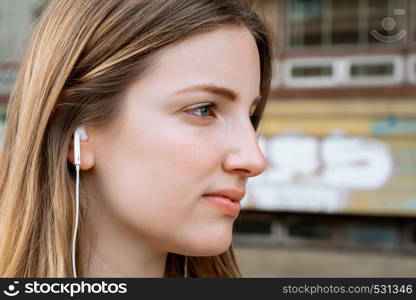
(348, 71)
(413, 19)
(305, 22)
(317, 23)
(375, 70)
(311, 72)
(412, 68)
(343, 22)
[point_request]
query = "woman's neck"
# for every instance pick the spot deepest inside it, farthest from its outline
(110, 249)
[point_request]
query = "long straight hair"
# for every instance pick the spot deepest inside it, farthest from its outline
(81, 57)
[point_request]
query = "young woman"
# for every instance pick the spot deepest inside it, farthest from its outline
(169, 94)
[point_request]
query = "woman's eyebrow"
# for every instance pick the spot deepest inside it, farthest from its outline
(216, 90)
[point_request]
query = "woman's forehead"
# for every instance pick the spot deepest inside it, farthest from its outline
(226, 57)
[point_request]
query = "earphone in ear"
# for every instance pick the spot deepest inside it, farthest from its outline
(79, 135)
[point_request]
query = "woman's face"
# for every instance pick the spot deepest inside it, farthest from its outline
(168, 148)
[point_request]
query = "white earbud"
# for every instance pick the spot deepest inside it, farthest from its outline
(79, 135)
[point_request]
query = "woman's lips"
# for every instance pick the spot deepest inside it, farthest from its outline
(225, 205)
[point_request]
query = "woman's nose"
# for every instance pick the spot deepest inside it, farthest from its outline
(243, 154)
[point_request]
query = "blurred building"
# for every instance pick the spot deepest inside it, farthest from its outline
(17, 18)
(339, 133)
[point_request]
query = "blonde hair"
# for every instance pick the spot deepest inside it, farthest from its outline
(82, 55)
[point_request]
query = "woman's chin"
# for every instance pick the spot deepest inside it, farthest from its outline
(209, 244)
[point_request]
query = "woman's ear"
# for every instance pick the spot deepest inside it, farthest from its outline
(86, 150)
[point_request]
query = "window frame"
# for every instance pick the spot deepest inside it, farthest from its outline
(284, 13)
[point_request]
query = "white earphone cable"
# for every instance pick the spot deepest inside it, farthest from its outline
(74, 234)
(185, 267)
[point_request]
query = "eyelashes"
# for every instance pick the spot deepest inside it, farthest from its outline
(211, 109)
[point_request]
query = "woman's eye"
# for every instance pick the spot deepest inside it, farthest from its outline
(205, 111)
